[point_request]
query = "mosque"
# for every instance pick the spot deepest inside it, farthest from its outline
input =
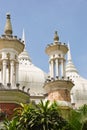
(21, 81)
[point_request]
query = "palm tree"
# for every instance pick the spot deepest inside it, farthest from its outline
(47, 117)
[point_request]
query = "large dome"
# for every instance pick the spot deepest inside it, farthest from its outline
(30, 76)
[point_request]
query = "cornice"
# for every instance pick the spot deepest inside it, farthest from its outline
(58, 84)
(13, 96)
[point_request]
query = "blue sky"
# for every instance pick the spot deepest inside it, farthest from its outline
(41, 18)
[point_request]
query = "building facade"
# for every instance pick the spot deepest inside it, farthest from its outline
(21, 81)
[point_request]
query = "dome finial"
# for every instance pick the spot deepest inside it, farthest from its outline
(56, 37)
(8, 26)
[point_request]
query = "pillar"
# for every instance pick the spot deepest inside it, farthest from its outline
(52, 69)
(8, 72)
(12, 75)
(57, 67)
(1, 72)
(62, 68)
(49, 68)
(17, 75)
(4, 71)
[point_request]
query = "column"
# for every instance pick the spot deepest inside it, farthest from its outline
(8, 72)
(62, 68)
(57, 67)
(4, 71)
(12, 75)
(17, 74)
(0, 77)
(1, 74)
(7, 75)
(52, 69)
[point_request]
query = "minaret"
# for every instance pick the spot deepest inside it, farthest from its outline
(11, 95)
(56, 52)
(10, 48)
(57, 85)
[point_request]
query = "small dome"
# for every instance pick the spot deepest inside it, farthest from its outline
(30, 76)
(24, 55)
(70, 67)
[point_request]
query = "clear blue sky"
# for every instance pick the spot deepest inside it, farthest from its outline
(40, 18)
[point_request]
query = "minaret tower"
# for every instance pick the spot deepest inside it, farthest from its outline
(57, 85)
(10, 48)
(11, 95)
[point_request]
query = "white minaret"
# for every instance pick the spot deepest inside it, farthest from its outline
(57, 52)
(10, 93)
(10, 48)
(57, 85)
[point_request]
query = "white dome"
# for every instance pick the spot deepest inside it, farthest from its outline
(79, 90)
(24, 55)
(30, 76)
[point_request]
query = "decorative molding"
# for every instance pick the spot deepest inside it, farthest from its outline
(13, 96)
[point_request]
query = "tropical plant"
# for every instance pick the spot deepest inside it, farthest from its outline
(47, 117)
(78, 118)
(83, 120)
(74, 119)
(42, 116)
(11, 125)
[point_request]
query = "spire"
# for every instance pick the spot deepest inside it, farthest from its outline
(70, 66)
(24, 54)
(23, 36)
(8, 26)
(56, 37)
(69, 58)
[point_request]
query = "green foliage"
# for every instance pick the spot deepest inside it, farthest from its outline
(74, 120)
(46, 116)
(83, 119)
(43, 116)
(11, 125)
(78, 118)
(84, 127)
